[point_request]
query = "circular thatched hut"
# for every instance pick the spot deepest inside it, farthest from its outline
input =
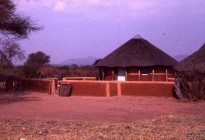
(191, 75)
(136, 60)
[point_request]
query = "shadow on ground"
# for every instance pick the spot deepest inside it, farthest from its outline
(8, 98)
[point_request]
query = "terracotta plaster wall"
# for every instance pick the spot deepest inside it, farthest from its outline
(87, 88)
(146, 77)
(157, 77)
(79, 78)
(132, 77)
(108, 78)
(113, 88)
(147, 88)
(116, 88)
(160, 77)
(38, 85)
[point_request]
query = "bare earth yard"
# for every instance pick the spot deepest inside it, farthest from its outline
(42, 116)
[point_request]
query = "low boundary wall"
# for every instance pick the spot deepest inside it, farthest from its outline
(147, 89)
(100, 88)
(80, 78)
(44, 85)
(116, 88)
(92, 88)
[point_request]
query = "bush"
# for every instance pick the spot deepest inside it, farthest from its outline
(30, 71)
(192, 85)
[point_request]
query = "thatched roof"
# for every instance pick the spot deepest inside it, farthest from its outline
(194, 62)
(137, 52)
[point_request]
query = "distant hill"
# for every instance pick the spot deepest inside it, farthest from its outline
(90, 60)
(180, 57)
(80, 61)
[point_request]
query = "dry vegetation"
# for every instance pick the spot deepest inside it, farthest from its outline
(164, 127)
(192, 85)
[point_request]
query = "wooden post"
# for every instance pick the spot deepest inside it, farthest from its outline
(139, 74)
(113, 75)
(152, 75)
(103, 74)
(125, 74)
(166, 74)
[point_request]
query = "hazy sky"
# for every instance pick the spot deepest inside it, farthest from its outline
(82, 28)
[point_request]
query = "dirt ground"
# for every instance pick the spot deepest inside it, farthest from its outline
(99, 115)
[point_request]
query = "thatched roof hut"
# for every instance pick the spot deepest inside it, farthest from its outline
(136, 60)
(194, 62)
(191, 75)
(137, 52)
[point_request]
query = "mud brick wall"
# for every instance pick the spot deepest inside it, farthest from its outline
(87, 88)
(147, 88)
(39, 85)
(116, 88)
(113, 88)
(79, 78)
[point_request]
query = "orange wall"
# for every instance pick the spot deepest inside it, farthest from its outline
(116, 88)
(87, 88)
(101, 88)
(157, 77)
(133, 77)
(113, 88)
(147, 88)
(39, 85)
(108, 78)
(79, 78)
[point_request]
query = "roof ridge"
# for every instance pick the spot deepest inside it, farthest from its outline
(137, 36)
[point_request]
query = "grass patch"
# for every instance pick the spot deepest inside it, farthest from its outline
(164, 127)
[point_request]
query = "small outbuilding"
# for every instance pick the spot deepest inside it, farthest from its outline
(137, 60)
(191, 75)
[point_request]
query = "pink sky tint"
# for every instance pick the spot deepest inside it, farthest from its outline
(82, 28)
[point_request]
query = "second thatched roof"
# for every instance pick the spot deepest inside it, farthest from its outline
(137, 52)
(194, 62)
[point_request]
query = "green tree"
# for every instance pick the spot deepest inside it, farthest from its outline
(13, 26)
(30, 71)
(34, 62)
(38, 58)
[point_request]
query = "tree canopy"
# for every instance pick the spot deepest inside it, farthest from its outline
(14, 24)
(33, 64)
(38, 58)
(9, 51)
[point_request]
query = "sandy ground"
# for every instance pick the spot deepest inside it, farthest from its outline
(122, 109)
(25, 116)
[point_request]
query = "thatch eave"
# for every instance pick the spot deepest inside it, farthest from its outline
(193, 63)
(137, 53)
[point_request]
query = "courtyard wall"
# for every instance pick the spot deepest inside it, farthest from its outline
(117, 88)
(44, 85)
